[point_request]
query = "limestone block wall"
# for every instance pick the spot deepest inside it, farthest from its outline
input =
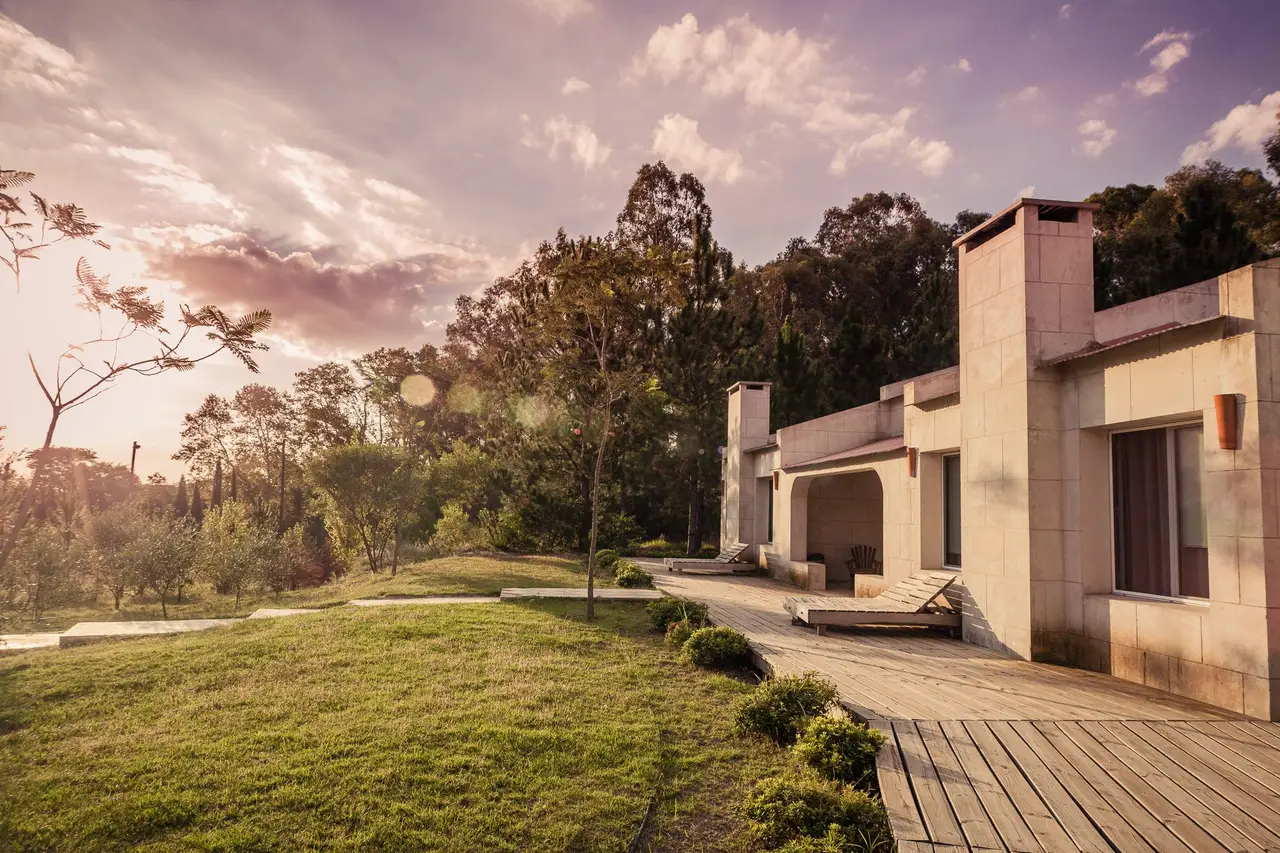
(1223, 651)
(748, 427)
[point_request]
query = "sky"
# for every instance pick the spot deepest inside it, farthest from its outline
(355, 167)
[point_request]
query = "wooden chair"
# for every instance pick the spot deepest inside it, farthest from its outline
(863, 561)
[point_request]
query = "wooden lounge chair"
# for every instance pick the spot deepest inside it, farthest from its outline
(913, 601)
(721, 563)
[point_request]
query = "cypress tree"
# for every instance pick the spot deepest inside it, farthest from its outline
(197, 505)
(216, 500)
(180, 506)
(233, 484)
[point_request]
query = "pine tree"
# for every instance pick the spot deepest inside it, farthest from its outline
(796, 389)
(180, 506)
(197, 504)
(216, 500)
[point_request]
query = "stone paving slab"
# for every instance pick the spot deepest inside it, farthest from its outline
(88, 632)
(276, 612)
(608, 594)
(21, 642)
(428, 599)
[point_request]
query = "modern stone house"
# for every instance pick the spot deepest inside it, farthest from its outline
(1106, 483)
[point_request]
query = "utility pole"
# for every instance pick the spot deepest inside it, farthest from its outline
(133, 457)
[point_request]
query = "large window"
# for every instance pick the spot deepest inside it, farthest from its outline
(951, 510)
(1161, 539)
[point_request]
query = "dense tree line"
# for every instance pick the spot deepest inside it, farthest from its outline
(580, 400)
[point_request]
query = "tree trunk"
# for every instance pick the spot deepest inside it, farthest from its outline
(280, 509)
(694, 543)
(28, 496)
(595, 515)
(117, 593)
(164, 607)
(395, 553)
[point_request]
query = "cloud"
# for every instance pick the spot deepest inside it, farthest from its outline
(333, 307)
(581, 141)
(1064, 11)
(1245, 127)
(1025, 96)
(560, 10)
(676, 138)
(916, 77)
(786, 76)
(158, 171)
(1174, 47)
(1028, 191)
(573, 85)
(963, 65)
(1097, 137)
(29, 62)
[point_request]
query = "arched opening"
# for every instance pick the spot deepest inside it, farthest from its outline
(843, 511)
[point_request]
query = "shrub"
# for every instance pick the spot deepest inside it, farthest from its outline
(780, 707)
(606, 562)
(627, 574)
(786, 808)
(455, 533)
(840, 750)
(717, 648)
(664, 611)
(678, 634)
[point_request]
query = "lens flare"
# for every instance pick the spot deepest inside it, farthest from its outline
(417, 390)
(465, 399)
(532, 412)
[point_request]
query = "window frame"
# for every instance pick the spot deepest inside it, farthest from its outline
(1171, 466)
(955, 567)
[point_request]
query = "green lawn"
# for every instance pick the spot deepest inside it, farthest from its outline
(463, 727)
(484, 575)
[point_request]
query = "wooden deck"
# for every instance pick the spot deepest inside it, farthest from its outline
(990, 753)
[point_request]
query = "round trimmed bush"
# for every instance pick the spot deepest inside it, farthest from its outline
(606, 562)
(716, 648)
(786, 808)
(678, 633)
(664, 611)
(780, 707)
(630, 576)
(840, 750)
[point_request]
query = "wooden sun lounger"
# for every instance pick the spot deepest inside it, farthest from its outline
(909, 602)
(722, 562)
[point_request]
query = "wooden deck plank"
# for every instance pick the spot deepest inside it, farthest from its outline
(1173, 813)
(1248, 778)
(999, 804)
(977, 827)
(1109, 792)
(895, 788)
(1045, 779)
(1229, 824)
(1237, 740)
(935, 809)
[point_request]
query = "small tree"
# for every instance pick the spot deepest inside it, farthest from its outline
(89, 368)
(371, 492)
(166, 557)
(113, 538)
(233, 551)
(590, 348)
(46, 569)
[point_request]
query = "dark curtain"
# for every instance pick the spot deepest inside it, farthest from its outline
(1140, 477)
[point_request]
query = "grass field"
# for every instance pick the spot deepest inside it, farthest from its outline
(464, 727)
(477, 575)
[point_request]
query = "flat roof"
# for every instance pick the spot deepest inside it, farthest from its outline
(1038, 202)
(883, 445)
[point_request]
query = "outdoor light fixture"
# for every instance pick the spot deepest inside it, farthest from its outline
(912, 456)
(1224, 407)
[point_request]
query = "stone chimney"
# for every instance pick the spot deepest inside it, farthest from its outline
(748, 428)
(1026, 297)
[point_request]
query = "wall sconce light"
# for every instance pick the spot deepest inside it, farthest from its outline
(913, 455)
(1224, 408)
(775, 481)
